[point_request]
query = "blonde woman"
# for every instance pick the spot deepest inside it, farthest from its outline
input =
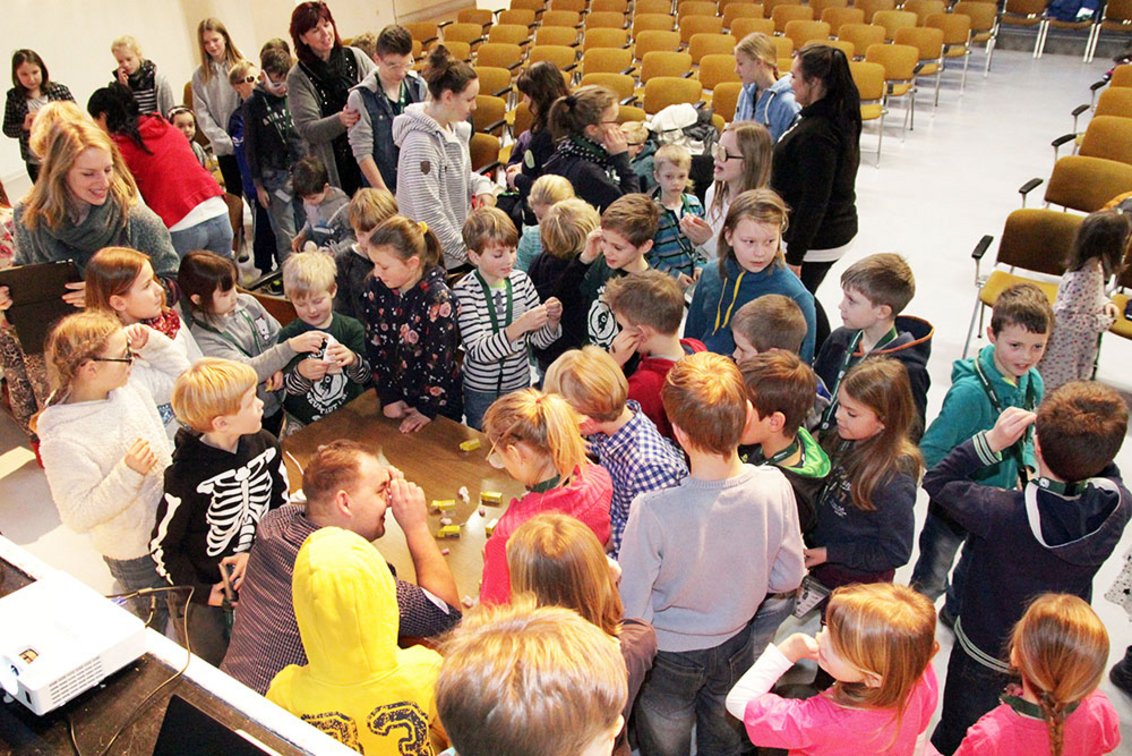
(767, 96)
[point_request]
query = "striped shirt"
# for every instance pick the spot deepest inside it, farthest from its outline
(492, 362)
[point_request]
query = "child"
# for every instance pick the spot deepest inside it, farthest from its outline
(673, 252)
(320, 383)
(410, 321)
(876, 290)
(149, 86)
(227, 473)
(32, 89)
(530, 656)
(877, 644)
(1059, 648)
(235, 326)
(678, 560)
(563, 232)
(641, 152)
(1052, 536)
(534, 437)
(185, 122)
(865, 522)
(357, 686)
(1001, 375)
(104, 448)
(546, 192)
(120, 281)
(558, 560)
(499, 314)
(1082, 311)
(366, 211)
(242, 77)
(325, 206)
(751, 264)
(648, 307)
(620, 434)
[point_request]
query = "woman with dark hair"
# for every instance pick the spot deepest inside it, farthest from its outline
(32, 88)
(815, 168)
(540, 85)
(173, 184)
(318, 86)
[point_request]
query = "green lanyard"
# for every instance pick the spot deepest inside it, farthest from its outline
(546, 485)
(1031, 710)
(846, 363)
(491, 313)
(1028, 403)
(1062, 488)
(756, 457)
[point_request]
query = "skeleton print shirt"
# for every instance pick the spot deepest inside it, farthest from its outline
(213, 503)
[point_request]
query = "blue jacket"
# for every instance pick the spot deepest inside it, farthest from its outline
(775, 107)
(716, 300)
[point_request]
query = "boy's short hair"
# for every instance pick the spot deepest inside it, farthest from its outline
(369, 207)
(239, 71)
(309, 176)
(673, 154)
(1080, 428)
(394, 39)
(591, 381)
(1022, 305)
(650, 298)
(527, 681)
(773, 321)
(704, 397)
(211, 388)
(489, 225)
(564, 229)
(550, 188)
(883, 279)
(366, 42)
(306, 273)
(275, 61)
(634, 216)
(636, 132)
(780, 382)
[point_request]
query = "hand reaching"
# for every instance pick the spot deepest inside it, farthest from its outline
(592, 250)
(311, 341)
(1009, 427)
(140, 458)
(137, 336)
(696, 229)
(799, 646)
(414, 421)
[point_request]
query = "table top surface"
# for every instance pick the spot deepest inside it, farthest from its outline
(431, 458)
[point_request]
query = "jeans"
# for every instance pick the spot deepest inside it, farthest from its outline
(208, 628)
(772, 612)
(688, 688)
(476, 404)
(135, 574)
(970, 692)
(214, 234)
(284, 214)
(939, 541)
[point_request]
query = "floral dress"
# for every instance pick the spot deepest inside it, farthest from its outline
(1080, 319)
(411, 342)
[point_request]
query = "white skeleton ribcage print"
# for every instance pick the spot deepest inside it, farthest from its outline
(240, 497)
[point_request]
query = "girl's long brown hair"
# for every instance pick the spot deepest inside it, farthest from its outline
(757, 150)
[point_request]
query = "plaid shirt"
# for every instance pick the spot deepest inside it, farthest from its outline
(639, 460)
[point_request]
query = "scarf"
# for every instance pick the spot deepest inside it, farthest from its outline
(168, 322)
(104, 226)
(332, 79)
(585, 149)
(143, 79)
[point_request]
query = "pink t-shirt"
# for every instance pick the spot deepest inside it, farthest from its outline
(1093, 728)
(820, 725)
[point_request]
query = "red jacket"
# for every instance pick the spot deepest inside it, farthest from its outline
(647, 381)
(586, 498)
(171, 181)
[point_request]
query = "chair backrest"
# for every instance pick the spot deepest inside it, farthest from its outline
(652, 6)
(538, 6)
(494, 80)
(1115, 101)
(561, 56)
(561, 18)
(1027, 11)
(651, 40)
(927, 40)
(1087, 183)
(784, 14)
(725, 99)
(622, 85)
(568, 5)
(481, 16)
(605, 38)
(665, 64)
(899, 61)
(710, 44)
(1038, 240)
(870, 7)
(893, 20)
(509, 33)
(425, 31)
(846, 47)
(691, 25)
(869, 78)
(484, 150)
(627, 113)
(523, 118)
(459, 50)
(716, 69)
(819, 6)
(1121, 76)
(489, 110)
(743, 26)
(772, 4)
(556, 35)
(463, 32)
(956, 27)
(802, 32)
(838, 17)
(603, 6)
(924, 8)
(604, 20)
(741, 10)
(500, 54)
(606, 60)
(863, 36)
(784, 47)
(523, 16)
(982, 15)
(644, 22)
(662, 91)
(696, 8)
(1117, 12)
(1108, 137)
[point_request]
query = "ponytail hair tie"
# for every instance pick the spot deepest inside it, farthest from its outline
(571, 101)
(422, 226)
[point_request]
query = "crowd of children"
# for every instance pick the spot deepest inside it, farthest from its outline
(641, 365)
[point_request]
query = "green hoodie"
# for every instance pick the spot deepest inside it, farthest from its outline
(807, 478)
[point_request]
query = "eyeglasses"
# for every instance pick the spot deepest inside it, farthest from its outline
(250, 79)
(719, 152)
(127, 358)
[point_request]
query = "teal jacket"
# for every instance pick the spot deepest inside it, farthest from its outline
(968, 410)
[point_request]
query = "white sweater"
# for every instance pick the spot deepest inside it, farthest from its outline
(83, 446)
(158, 365)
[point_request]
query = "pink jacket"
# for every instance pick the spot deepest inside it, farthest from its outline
(1093, 728)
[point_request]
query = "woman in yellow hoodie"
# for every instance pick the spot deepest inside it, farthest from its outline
(357, 686)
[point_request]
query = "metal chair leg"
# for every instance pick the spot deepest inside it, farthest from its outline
(971, 328)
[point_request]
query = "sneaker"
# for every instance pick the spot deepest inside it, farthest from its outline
(1121, 673)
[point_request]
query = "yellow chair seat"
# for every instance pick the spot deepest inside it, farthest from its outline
(980, 38)
(1000, 280)
(955, 52)
(929, 69)
(899, 90)
(1122, 326)
(871, 112)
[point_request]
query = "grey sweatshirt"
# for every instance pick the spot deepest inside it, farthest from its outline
(214, 102)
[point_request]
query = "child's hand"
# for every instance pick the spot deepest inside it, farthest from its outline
(239, 564)
(29, 119)
(795, 269)
(297, 242)
(814, 557)
(342, 355)
(137, 336)
(407, 500)
(487, 199)
(414, 421)
(613, 139)
(592, 250)
(311, 341)
(263, 197)
(313, 369)
(1110, 310)
(395, 411)
(684, 280)
(512, 171)
(216, 595)
(1009, 427)
(275, 382)
(799, 646)
(76, 294)
(625, 345)
(553, 310)
(532, 320)
(347, 116)
(139, 457)
(696, 229)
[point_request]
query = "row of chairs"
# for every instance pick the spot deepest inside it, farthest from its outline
(1115, 16)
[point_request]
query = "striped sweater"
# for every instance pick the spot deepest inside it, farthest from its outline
(492, 362)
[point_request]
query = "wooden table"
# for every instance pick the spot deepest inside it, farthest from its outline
(431, 458)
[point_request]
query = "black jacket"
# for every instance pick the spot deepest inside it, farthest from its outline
(591, 182)
(270, 140)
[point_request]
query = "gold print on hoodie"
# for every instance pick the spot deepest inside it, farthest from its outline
(338, 726)
(406, 716)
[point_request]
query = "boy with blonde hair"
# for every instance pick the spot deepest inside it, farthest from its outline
(227, 473)
(499, 313)
(625, 440)
(368, 208)
(678, 560)
(672, 251)
(504, 663)
(317, 384)
(547, 191)
(648, 307)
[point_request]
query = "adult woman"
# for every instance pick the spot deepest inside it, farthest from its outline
(815, 168)
(318, 86)
(741, 162)
(32, 89)
(214, 100)
(436, 183)
(766, 98)
(541, 85)
(171, 181)
(560, 561)
(592, 152)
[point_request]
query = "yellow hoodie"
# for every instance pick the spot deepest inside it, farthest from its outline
(358, 686)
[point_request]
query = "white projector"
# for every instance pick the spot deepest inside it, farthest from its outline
(59, 637)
